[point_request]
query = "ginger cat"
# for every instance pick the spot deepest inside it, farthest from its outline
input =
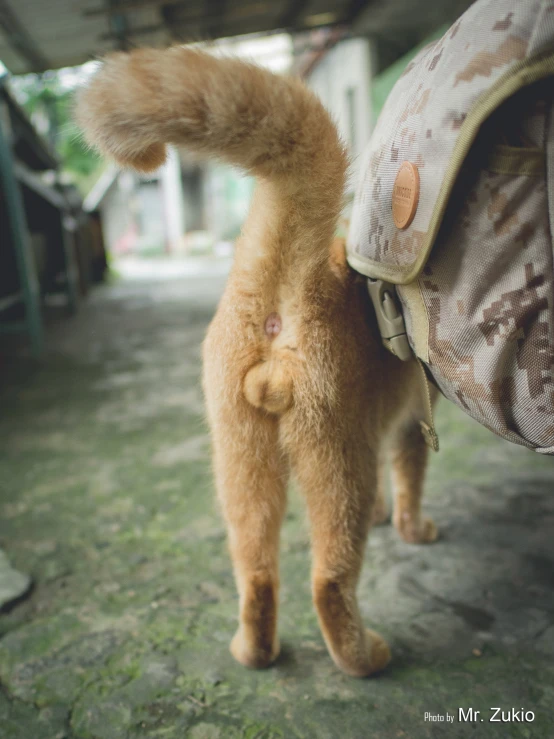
(295, 376)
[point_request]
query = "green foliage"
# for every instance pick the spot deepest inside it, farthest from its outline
(48, 100)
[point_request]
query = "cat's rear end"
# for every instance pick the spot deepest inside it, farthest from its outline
(275, 129)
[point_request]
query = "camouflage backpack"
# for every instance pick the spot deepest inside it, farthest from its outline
(454, 213)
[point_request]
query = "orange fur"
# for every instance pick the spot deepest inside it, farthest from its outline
(320, 397)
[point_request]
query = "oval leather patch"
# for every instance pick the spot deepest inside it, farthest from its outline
(405, 195)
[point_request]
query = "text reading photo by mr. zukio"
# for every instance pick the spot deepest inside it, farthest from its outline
(492, 715)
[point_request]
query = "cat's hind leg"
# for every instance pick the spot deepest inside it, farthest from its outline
(338, 477)
(251, 478)
(380, 514)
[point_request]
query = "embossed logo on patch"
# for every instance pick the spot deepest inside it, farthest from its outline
(405, 195)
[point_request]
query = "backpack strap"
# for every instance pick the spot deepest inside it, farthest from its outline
(394, 337)
(427, 425)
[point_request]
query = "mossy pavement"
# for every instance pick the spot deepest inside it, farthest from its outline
(107, 501)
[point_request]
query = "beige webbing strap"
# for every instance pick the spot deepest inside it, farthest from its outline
(427, 425)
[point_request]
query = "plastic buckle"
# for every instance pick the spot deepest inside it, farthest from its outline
(389, 318)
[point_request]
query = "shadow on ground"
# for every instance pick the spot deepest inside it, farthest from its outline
(107, 502)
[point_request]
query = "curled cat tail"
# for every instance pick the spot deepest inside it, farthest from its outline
(269, 125)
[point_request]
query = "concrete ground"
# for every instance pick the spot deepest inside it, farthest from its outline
(107, 501)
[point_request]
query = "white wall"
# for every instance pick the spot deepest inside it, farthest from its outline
(342, 79)
(228, 192)
(152, 219)
(133, 218)
(117, 217)
(172, 194)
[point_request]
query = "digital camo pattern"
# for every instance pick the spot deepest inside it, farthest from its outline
(487, 289)
(423, 115)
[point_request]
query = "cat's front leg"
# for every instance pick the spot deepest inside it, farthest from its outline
(409, 461)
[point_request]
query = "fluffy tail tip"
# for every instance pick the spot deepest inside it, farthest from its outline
(147, 160)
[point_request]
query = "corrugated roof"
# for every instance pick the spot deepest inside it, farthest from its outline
(36, 35)
(48, 34)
